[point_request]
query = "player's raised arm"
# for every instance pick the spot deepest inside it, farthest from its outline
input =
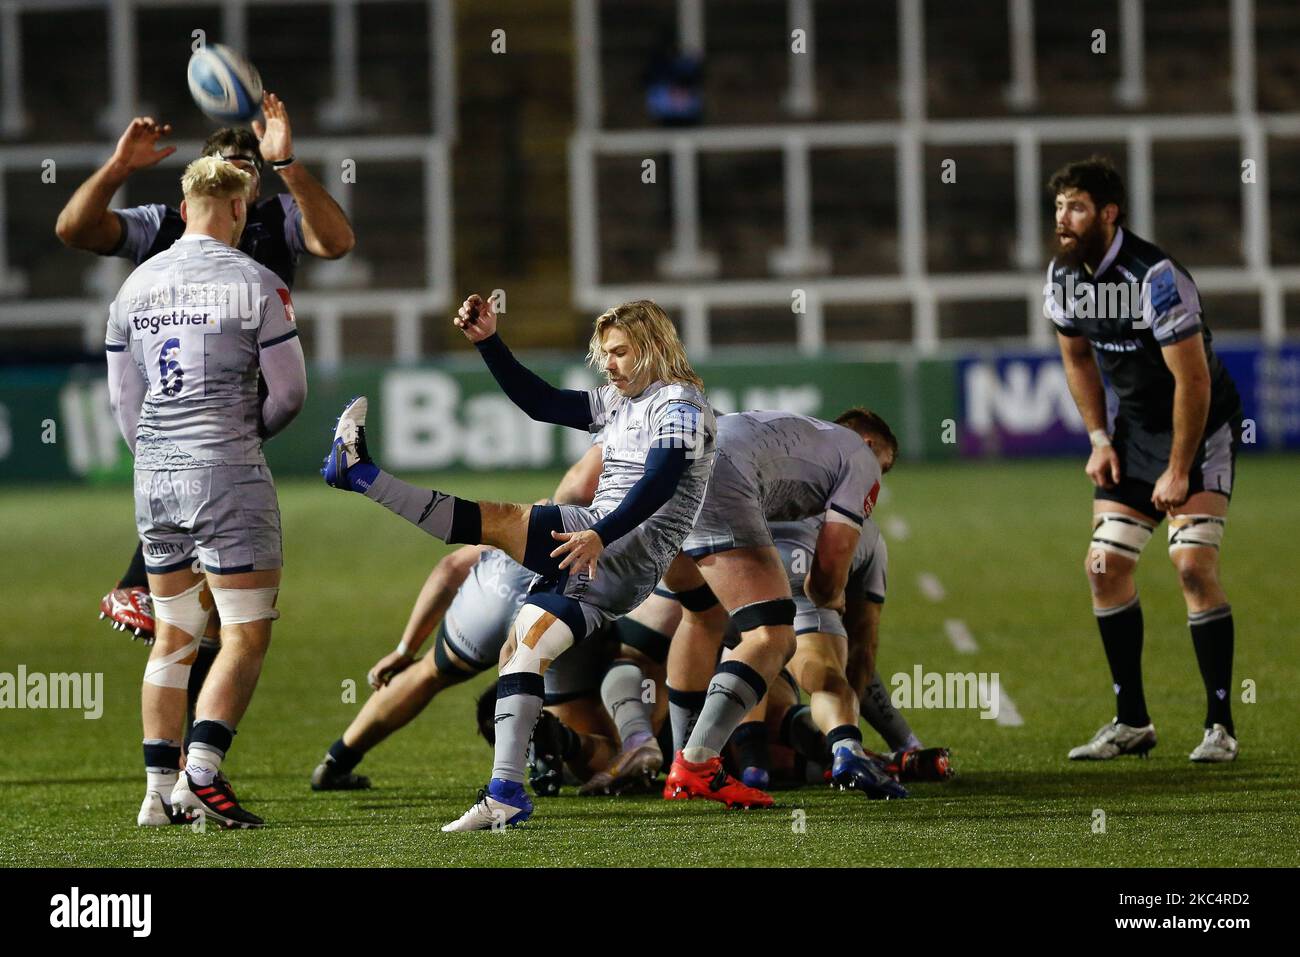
(86, 222)
(326, 231)
(540, 400)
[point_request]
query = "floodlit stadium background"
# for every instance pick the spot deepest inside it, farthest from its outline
(863, 222)
(876, 198)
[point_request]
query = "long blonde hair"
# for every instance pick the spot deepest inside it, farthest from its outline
(659, 351)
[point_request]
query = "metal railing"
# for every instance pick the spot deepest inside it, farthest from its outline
(685, 276)
(325, 309)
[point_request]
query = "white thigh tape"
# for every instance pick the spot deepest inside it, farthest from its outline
(239, 605)
(167, 671)
(185, 611)
(1121, 534)
(540, 639)
(1195, 531)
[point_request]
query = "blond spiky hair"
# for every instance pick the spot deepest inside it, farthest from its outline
(658, 349)
(213, 178)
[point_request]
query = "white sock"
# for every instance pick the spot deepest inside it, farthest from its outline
(202, 764)
(162, 782)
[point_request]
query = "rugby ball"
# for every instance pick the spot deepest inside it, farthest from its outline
(224, 84)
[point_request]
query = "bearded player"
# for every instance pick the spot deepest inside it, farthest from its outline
(1172, 453)
(596, 564)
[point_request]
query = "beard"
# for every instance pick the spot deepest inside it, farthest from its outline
(1089, 247)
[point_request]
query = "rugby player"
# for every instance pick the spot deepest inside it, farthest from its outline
(470, 598)
(1172, 451)
(596, 563)
(280, 229)
(772, 466)
(824, 653)
(187, 335)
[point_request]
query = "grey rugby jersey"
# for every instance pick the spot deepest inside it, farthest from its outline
(194, 319)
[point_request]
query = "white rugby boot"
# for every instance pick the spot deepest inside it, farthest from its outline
(1115, 739)
(1216, 746)
(500, 805)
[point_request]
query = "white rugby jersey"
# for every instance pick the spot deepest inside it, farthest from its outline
(674, 413)
(194, 319)
(802, 466)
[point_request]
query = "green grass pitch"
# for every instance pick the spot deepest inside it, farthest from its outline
(1006, 541)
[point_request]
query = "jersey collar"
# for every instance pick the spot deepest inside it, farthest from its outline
(1111, 252)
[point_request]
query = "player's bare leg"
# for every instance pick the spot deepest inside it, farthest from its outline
(181, 597)
(818, 666)
(752, 585)
(1195, 530)
(749, 741)
(597, 739)
(451, 519)
(693, 654)
(246, 602)
(1119, 535)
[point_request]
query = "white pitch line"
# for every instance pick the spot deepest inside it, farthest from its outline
(930, 586)
(897, 527)
(1008, 716)
(960, 636)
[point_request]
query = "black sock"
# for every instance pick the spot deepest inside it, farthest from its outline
(572, 746)
(800, 733)
(750, 742)
(208, 648)
(136, 576)
(1212, 637)
(1121, 636)
(343, 757)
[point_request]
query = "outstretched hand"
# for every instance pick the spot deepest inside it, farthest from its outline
(580, 550)
(275, 140)
(476, 319)
(138, 146)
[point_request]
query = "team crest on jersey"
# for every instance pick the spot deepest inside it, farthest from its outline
(869, 505)
(288, 305)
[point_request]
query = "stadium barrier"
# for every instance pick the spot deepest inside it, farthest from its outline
(56, 424)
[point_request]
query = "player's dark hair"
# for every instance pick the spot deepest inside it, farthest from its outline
(865, 422)
(239, 138)
(1096, 176)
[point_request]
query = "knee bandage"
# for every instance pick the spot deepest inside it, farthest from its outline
(540, 638)
(188, 611)
(775, 611)
(1121, 534)
(167, 671)
(1195, 531)
(239, 605)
